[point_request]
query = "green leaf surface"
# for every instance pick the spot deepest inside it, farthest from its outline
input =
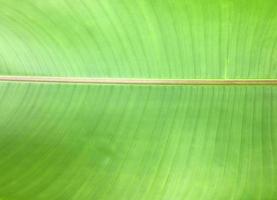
(72, 142)
(138, 142)
(222, 39)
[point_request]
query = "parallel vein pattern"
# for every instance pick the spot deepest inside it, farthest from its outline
(137, 142)
(191, 39)
(132, 142)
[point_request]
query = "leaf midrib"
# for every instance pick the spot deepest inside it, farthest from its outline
(135, 81)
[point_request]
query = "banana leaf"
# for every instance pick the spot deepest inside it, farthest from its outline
(124, 141)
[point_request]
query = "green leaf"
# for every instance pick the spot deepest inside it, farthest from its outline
(143, 39)
(138, 142)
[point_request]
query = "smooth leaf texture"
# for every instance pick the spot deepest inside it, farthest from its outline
(143, 39)
(72, 142)
(127, 142)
